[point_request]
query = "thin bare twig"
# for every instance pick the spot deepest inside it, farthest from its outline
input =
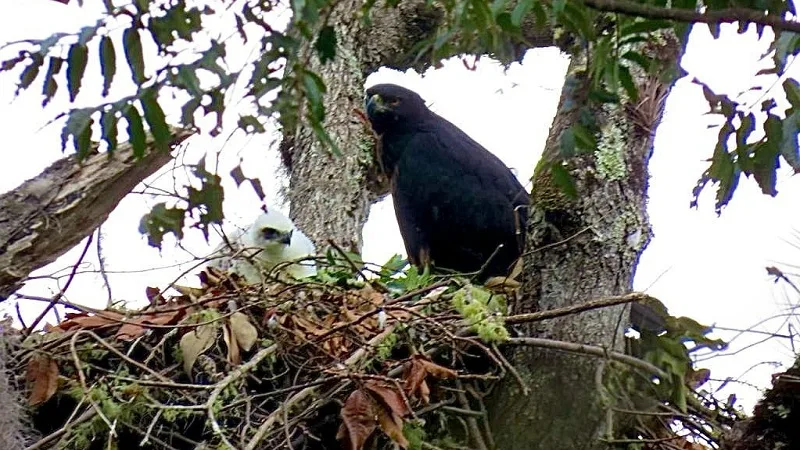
(63, 290)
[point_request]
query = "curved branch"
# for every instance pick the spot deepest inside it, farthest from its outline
(728, 15)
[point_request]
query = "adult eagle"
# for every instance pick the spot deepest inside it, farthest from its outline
(458, 206)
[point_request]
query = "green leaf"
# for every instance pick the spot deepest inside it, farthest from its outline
(108, 125)
(136, 134)
(187, 111)
(208, 199)
(83, 141)
(789, 149)
(581, 18)
(187, 79)
(520, 11)
(766, 156)
(643, 61)
(786, 45)
(326, 44)
(30, 72)
(50, 85)
(567, 143)
(626, 80)
(792, 89)
(584, 139)
(314, 89)
(77, 121)
(325, 138)
(9, 64)
(76, 60)
(87, 33)
(133, 54)
(723, 169)
(644, 26)
(498, 6)
(250, 125)
(160, 221)
(108, 63)
(238, 175)
(156, 119)
(563, 180)
(714, 29)
(393, 266)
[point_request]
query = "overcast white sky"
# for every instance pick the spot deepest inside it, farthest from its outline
(707, 267)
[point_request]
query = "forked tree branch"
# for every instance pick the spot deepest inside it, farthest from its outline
(51, 213)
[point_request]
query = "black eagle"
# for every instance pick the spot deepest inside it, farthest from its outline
(457, 205)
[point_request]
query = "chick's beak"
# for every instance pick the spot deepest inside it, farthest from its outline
(286, 238)
(374, 104)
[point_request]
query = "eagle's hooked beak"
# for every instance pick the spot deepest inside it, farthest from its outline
(374, 104)
(286, 238)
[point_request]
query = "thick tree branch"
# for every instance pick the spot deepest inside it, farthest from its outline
(728, 15)
(49, 214)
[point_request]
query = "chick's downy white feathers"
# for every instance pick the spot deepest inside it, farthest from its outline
(271, 239)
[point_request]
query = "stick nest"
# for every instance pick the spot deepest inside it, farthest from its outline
(333, 362)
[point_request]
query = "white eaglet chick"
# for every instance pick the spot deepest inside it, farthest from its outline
(271, 239)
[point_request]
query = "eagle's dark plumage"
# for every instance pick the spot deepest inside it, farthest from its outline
(458, 206)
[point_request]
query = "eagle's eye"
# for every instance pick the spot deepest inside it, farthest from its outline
(269, 233)
(393, 101)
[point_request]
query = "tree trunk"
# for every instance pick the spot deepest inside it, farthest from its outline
(330, 196)
(579, 249)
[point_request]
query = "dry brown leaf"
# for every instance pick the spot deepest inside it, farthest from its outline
(424, 392)
(246, 334)
(392, 425)
(438, 371)
(697, 378)
(388, 396)
(42, 377)
(192, 293)
(195, 342)
(414, 376)
(308, 326)
(416, 373)
(373, 297)
(234, 356)
(358, 420)
(137, 325)
(84, 321)
(153, 294)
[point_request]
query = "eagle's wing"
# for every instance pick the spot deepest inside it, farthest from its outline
(456, 197)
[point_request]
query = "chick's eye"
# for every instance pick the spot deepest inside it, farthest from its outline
(269, 233)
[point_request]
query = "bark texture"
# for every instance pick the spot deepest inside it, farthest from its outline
(49, 214)
(579, 249)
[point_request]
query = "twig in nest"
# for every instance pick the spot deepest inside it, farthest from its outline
(591, 350)
(472, 422)
(375, 284)
(510, 368)
(290, 402)
(41, 443)
(63, 290)
(82, 378)
(225, 382)
(590, 305)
